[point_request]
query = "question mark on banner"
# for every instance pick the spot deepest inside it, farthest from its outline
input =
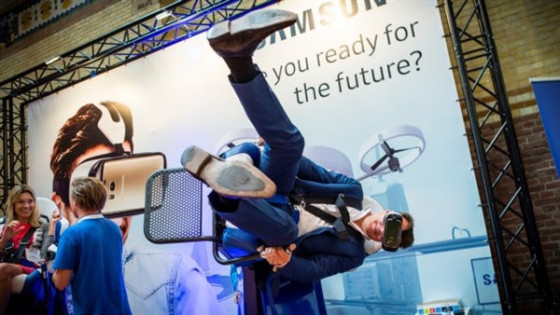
(417, 59)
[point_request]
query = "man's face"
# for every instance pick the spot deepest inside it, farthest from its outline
(374, 225)
(99, 150)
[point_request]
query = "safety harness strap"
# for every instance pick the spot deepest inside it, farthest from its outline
(341, 226)
(15, 256)
(349, 201)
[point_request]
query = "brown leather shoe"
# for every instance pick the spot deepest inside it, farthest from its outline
(227, 178)
(240, 38)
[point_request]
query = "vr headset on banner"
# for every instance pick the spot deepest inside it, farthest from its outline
(124, 177)
(392, 233)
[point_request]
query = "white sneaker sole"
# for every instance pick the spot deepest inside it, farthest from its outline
(228, 178)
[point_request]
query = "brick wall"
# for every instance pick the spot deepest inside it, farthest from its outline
(528, 39)
(544, 186)
(528, 43)
(79, 27)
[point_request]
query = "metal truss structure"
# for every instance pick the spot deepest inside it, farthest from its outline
(507, 202)
(160, 29)
(500, 167)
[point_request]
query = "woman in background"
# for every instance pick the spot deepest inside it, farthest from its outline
(22, 222)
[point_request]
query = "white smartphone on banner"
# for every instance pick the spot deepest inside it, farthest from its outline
(125, 179)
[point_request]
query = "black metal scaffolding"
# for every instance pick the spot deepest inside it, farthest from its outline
(484, 95)
(507, 201)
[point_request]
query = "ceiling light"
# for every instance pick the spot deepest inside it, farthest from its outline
(51, 60)
(163, 15)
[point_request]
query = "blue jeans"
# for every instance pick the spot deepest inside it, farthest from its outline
(314, 181)
(282, 161)
(284, 143)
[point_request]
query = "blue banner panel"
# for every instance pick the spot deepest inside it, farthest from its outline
(547, 94)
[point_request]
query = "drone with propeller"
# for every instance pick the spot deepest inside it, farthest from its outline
(393, 163)
(407, 144)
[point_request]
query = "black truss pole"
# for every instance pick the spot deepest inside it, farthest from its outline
(478, 64)
(21, 135)
(5, 171)
(13, 170)
(11, 154)
(526, 204)
(481, 159)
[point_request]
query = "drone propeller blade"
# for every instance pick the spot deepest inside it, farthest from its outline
(376, 165)
(406, 149)
(394, 164)
(386, 148)
(390, 151)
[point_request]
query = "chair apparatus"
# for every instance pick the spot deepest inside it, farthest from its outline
(173, 214)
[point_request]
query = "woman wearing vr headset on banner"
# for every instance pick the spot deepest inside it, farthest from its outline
(23, 240)
(257, 191)
(156, 282)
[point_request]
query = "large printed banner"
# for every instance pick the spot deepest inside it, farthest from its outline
(350, 74)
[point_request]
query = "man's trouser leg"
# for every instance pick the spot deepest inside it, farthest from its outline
(270, 223)
(315, 181)
(284, 142)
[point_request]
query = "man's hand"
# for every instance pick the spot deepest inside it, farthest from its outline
(277, 256)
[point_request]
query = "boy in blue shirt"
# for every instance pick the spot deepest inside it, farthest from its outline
(89, 254)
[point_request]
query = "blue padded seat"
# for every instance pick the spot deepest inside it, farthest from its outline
(285, 297)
